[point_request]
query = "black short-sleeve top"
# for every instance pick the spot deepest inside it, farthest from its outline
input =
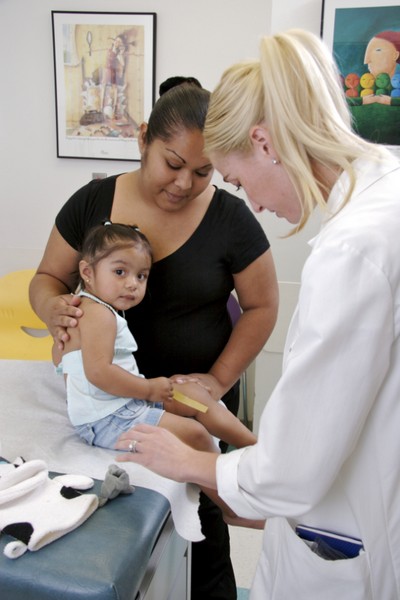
(182, 325)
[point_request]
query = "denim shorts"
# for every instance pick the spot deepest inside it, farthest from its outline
(105, 432)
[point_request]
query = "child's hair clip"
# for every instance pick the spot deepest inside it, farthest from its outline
(105, 223)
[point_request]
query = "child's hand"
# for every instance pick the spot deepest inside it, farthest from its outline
(161, 390)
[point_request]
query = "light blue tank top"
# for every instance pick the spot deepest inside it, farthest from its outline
(86, 402)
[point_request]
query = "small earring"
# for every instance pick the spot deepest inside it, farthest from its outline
(275, 161)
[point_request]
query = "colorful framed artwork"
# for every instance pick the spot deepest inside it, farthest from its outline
(104, 65)
(364, 36)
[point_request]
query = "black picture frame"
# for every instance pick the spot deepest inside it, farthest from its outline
(104, 71)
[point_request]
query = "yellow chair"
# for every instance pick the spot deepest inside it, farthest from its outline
(23, 336)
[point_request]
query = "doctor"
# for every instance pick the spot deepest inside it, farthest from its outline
(328, 451)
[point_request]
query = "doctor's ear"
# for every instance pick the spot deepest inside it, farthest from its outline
(260, 138)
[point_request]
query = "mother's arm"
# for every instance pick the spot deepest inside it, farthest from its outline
(51, 287)
(258, 295)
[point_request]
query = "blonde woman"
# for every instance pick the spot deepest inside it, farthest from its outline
(328, 450)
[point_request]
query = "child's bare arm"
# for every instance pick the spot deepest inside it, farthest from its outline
(97, 333)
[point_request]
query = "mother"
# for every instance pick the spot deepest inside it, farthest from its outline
(206, 243)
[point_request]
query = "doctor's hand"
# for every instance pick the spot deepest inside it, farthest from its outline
(162, 452)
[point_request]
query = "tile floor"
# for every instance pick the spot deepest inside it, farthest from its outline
(245, 550)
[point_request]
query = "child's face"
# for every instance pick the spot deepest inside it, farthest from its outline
(120, 279)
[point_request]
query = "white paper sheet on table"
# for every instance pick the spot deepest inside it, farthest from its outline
(34, 424)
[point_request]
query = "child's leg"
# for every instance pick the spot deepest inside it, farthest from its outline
(106, 431)
(189, 431)
(219, 421)
(194, 434)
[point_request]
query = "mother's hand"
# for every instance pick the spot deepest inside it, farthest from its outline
(209, 383)
(202, 379)
(63, 312)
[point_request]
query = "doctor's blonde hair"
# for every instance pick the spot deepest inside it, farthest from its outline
(295, 91)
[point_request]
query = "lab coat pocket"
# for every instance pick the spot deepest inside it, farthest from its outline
(295, 571)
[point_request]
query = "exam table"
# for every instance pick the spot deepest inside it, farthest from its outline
(135, 547)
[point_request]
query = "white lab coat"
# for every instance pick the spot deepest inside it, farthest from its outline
(328, 453)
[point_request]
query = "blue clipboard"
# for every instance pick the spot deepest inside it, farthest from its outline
(342, 546)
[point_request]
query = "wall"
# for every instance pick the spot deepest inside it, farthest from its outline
(199, 38)
(193, 38)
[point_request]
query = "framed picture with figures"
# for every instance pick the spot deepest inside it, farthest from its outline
(364, 36)
(104, 65)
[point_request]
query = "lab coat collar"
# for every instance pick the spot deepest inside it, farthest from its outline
(367, 172)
